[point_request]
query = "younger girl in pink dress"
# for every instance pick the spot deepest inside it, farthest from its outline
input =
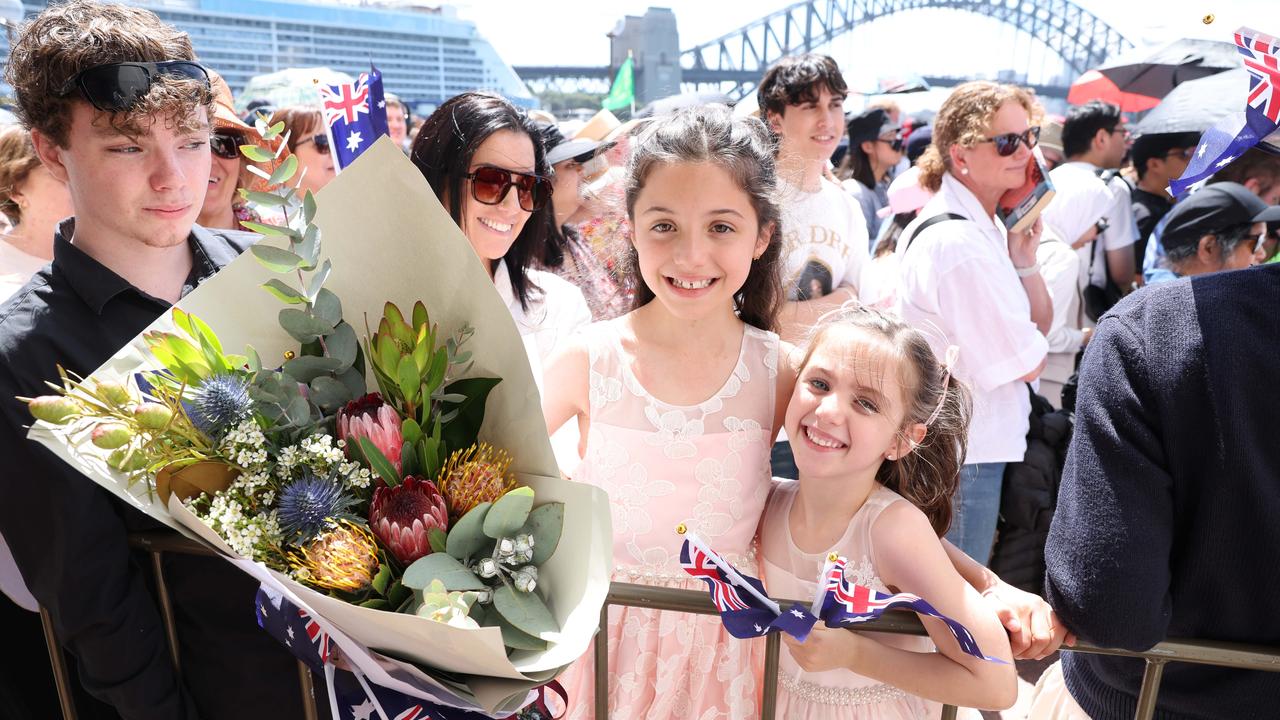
(878, 429)
(680, 398)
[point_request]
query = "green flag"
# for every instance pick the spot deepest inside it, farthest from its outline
(623, 92)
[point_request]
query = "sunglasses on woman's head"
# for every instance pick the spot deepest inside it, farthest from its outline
(116, 87)
(490, 185)
(321, 143)
(226, 145)
(1007, 144)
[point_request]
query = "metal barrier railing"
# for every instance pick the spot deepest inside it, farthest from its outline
(1243, 657)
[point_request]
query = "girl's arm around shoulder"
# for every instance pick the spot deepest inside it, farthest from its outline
(566, 383)
(789, 357)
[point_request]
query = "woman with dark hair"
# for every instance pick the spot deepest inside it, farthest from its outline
(485, 160)
(875, 148)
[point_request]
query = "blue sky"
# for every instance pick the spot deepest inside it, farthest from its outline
(572, 32)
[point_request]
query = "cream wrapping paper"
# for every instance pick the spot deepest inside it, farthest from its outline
(389, 239)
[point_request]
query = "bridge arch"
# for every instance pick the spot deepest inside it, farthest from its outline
(1080, 38)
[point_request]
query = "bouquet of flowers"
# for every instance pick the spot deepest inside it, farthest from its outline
(420, 518)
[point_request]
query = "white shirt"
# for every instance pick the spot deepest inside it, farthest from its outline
(1060, 268)
(16, 268)
(824, 241)
(554, 314)
(959, 287)
(1121, 232)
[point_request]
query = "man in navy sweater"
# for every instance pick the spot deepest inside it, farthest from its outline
(1166, 521)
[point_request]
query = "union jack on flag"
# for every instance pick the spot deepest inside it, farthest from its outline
(1260, 51)
(316, 634)
(744, 608)
(355, 115)
(1227, 140)
(846, 603)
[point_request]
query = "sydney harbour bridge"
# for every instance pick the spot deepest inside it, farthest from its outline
(734, 62)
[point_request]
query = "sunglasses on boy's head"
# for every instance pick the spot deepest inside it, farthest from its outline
(116, 87)
(490, 185)
(1007, 144)
(226, 145)
(321, 142)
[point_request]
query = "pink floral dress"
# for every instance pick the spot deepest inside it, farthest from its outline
(707, 466)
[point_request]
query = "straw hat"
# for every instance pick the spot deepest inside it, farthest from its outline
(599, 127)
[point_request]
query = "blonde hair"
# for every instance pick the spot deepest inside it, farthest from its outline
(17, 160)
(964, 120)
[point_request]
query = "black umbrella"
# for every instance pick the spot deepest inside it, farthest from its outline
(675, 102)
(1196, 105)
(1156, 74)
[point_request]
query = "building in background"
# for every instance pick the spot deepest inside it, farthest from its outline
(426, 54)
(655, 46)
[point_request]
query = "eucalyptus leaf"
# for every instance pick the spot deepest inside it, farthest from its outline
(442, 567)
(276, 259)
(317, 280)
(299, 411)
(327, 307)
(545, 524)
(342, 344)
(378, 462)
(524, 611)
(283, 292)
(252, 360)
(514, 638)
(255, 153)
(272, 230)
(308, 208)
(266, 198)
(353, 379)
(509, 513)
(302, 326)
(286, 170)
(309, 248)
(466, 537)
(329, 394)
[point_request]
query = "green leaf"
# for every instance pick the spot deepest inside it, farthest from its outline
(317, 280)
(353, 379)
(442, 567)
(376, 604)
(466, 537)
(252, 360)
(381, 580)
(420, 315)
(516, 639)
(286, 170)
(398, 594)
(255, 153)
(329, 394)
(271, 230)
(437, 538)
(309, 248)
(378, 462)
(305, 368)
(275, 259)
(283, 292)
(464, 428)
(524, 611)
(308, 208)
(429, 456)
(407, 378)
(342, 344)
(411, 431)
(509, 513)
(298, 412)
(545, 524)
(302, 326)
(439, 364)
(327, 307)
(266, 198)
(408, 460)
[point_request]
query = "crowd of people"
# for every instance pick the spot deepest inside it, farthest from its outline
(792, 351)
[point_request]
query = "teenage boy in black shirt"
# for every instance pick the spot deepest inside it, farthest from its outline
(119, 110)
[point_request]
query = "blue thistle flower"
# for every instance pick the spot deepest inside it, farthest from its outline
(308, 504)
(219, 404)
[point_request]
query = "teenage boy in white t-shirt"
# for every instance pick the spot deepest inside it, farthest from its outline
(824, 235)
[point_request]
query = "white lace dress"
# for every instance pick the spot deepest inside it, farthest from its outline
(707, 466)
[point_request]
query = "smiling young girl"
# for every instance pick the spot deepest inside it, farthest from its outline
(878, 427)
(679, 397)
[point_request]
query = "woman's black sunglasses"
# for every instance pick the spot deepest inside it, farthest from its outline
(226, 145)
(116, 87)
(321, 142)
(490, 185)
(1007, 144)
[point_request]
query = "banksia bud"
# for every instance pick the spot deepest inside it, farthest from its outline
(53, 409)
(126, 459)
(475, 475)
(153, 416)
(113, 393)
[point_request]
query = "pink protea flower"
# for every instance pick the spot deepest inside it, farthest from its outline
(370, 417)
(403, 516)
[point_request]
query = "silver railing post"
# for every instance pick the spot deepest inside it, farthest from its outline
(1150, 687)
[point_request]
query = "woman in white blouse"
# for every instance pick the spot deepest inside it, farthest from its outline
(1072, 220)
(968, 283)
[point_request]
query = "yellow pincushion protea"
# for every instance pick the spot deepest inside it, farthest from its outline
(475, 475)
(342, 558)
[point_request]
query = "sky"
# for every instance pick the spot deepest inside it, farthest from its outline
(573, 32)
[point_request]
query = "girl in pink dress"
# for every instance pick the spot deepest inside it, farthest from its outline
(878, 428)
(681, 399)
